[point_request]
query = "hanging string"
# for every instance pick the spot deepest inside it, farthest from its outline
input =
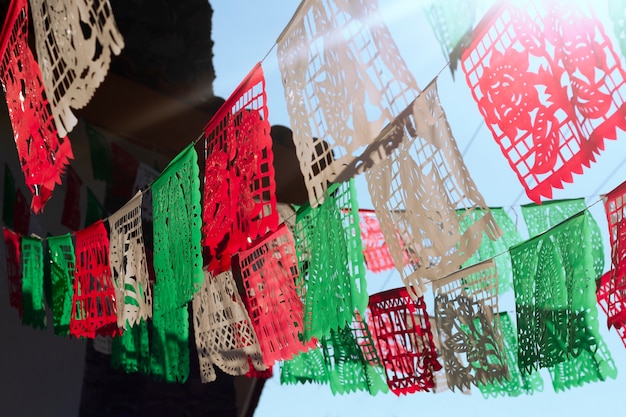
(148, 187)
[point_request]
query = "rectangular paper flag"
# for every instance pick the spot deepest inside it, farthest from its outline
(344, 80)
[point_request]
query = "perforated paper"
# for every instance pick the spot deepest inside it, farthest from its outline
(468, 327)
(344, 80)
(93, 302)
(239, 188)
(129, 266)
(74, 41)
(416, 192)
(223, 331)
(43, 153)
(550, 88)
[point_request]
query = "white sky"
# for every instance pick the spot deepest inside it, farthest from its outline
(244, 31)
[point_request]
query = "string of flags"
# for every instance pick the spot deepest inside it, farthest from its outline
(258, 291)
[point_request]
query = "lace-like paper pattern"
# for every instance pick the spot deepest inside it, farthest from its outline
(452, 22)
(550, 87)
(269, 270)
(583, 369)
(33, 306)
(375, 251)
(12, 242)
(43, 154)
(344, 80)
(375, 370)
(349, 371)
(602, 296)
(330, 260)
(62, 268)
(557, 319)
(74, 41)
(405, 342)
(415, 193)
(541, 217)
(305, 367)
(223, 331)
(615, 284)
(129, 266)
(93, 301)
(346, 359)
(177, 245)
(239, 188)
(518, 383)
(617, 11)
(470, 335)
(439, 377)
(498, 250)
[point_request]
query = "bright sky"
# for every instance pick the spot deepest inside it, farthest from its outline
(244, 33)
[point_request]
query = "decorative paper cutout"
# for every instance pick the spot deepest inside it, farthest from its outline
(33, 305)
(344, 80)
(71, 204)
(602, 296)
(8, 197)
(498, 250)
(339, 361)
(614, 285)
(550, 87)
(452, 22)
(440, 378)
(269, 270)
(349, 371)
(518, 383)
(74, 41)
(43, 154)
(305, 367)
(415, 193)
(557, 319)
(540, 218)
(239, 188)
(406, 347)
(12, 242)
(129, 267)
(93, 302)
(177, 264)
(585, 368)
(330, 260)
(364, 338)
(375, 251)
(468, 327)
(255, 373)
(62, 270)
(177, 253)
(223, 331)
